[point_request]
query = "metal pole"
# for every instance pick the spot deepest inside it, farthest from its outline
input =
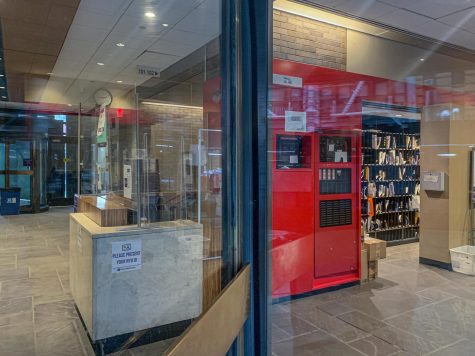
(137, 174)
(79, 152)
(199, 175)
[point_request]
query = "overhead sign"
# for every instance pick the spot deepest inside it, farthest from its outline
(148, 71)
(287, 80)
(126, 256)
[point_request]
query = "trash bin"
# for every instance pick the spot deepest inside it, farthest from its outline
(10, 201)
(463, 259)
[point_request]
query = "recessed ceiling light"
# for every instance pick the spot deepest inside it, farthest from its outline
(120, 44)
(2, 75)
(119, 81)
(70, 104)
(165, 25)
(421, 59)
(150, 14)
(2, 87)
(4, 97)
(398, 115)
(100, 63)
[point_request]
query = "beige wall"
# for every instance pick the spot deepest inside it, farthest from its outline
(445, 216)
(376, 56)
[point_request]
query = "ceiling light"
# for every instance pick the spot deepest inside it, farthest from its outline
(150, 14)
(50, 73)
(398, 115)
(119, 81)
(2, 75)
(165, 25)
(100, 63)
(4, 97)
(171, 105)
(70, 104)
(120, 44)
(2, 87)
(421, 59)
(446, 154)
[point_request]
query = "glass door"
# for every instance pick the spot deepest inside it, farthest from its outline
(61, 175)
(16, 168)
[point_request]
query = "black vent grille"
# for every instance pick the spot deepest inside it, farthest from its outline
(335, 212)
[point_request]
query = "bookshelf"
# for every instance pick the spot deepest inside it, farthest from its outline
(390, 186)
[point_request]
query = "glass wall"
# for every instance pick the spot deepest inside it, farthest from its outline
(371, 136)
(115, 124)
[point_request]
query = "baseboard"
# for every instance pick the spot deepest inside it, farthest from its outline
(135, 339)
(434, 263)
(314, 292)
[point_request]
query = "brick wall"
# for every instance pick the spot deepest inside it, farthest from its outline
(304, 40)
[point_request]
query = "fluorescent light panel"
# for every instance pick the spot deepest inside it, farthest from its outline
(172, 105)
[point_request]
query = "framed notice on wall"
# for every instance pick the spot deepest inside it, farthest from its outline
(295, 121)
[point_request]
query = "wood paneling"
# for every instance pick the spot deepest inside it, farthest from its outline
(104, 212)
(33, 33)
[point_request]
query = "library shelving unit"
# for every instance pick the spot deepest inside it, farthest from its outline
(390, 185)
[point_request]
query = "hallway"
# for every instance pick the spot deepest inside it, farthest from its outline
(37, 314)
(411, 309)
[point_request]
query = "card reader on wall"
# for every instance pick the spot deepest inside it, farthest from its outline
(433, 181)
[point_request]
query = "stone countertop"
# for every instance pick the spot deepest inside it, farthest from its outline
(98, 232)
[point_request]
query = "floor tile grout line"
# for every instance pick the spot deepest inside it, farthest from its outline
(443, 347)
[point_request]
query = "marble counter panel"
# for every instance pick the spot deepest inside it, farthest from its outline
(167, 288)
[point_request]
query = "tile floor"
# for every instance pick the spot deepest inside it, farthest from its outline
(411, 309)
(37, 314)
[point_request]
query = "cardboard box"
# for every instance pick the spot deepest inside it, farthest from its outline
(376, 249)
(364, 266)
(372, 270)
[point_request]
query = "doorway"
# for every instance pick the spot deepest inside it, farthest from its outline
(16, 162)
(61, 171)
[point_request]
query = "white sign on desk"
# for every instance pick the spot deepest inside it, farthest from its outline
(126, 256)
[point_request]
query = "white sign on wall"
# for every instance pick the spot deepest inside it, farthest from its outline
(128, 181)
(126, 256)
(295, 121)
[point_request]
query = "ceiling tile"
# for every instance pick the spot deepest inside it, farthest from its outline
(402, 19)
(186, 37)
(94, 19)
(432, 8)
(367, 8)
(25, 10)
(198, 21)
(86, 33)
(174, 47)
(60, 17)
(464, 19)
(42, 64)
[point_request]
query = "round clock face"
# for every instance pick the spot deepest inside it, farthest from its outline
(103, 97)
